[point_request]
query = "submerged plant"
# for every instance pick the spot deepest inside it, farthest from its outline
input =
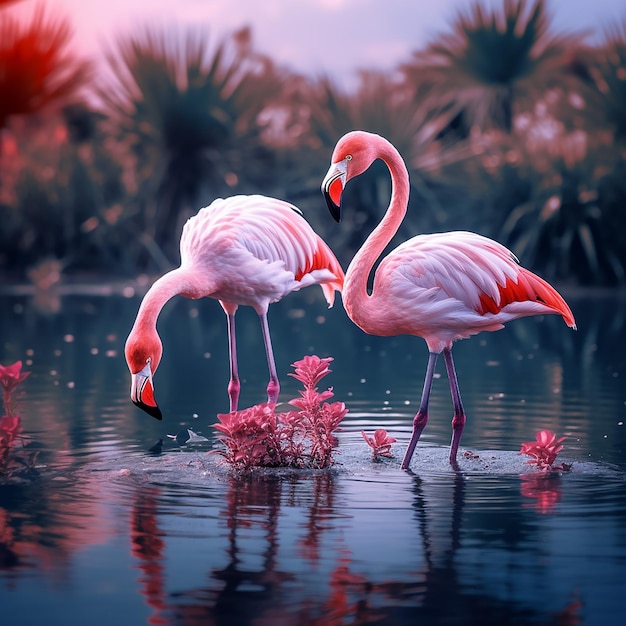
(544, 450)
(304, 438)
(380, 442)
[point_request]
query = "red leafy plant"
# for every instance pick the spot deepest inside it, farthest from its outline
(543, 451)
(10, 377)
(10, 423)
(380, 442)
(302, 438)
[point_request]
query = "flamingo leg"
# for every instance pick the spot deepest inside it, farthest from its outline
(421, 418)
(273, 387)
(458, 421)
(234, 385)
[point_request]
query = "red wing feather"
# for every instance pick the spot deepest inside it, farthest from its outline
(529, 288)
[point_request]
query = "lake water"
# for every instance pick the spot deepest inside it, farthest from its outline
(100, 531)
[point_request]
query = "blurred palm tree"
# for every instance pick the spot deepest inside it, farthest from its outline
(193, 120)
(604, 74)
(492, 65)
(37, 70)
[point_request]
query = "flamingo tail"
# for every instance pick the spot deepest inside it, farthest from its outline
(529, 287)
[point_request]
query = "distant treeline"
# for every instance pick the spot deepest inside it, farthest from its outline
(508, 128)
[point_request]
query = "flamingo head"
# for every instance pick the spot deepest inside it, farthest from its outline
(143, 354)
(352, 155)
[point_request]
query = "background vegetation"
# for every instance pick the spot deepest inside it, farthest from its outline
(508, 128)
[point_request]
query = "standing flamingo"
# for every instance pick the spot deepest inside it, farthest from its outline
(440, 287)
(248, 250)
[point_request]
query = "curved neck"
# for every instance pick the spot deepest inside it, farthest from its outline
(355, 293)
(178, 281)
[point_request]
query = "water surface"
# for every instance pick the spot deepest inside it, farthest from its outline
(102, 531)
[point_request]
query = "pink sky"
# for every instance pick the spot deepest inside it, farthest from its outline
(336, 37)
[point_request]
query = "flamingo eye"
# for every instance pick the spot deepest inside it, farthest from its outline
(349, 157)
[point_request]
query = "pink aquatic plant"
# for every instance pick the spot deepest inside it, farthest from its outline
(260, 437)
(543, 451)
(380, 442)
(11, 423)
(10, 377)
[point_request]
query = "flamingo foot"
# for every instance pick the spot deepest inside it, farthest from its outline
(234, 386)
(273, 389)
(458, 423)
(419, 423)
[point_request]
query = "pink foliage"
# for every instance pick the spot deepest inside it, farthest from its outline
(260, 437)
(10, 423)
(380, 443)
(10, 377)
(544, 450)
(10, 429)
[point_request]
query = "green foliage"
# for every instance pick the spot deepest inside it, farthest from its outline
(565, 228)
(66, 204)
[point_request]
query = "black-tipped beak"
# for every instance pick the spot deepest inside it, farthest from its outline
(332, 188)
(335, 209)
(154, 411)
(142, 392)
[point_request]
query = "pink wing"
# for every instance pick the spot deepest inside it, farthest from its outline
(472, 271)
(263, 231)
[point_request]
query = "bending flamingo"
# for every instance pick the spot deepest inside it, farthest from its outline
(242, 250)
(440, 287)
